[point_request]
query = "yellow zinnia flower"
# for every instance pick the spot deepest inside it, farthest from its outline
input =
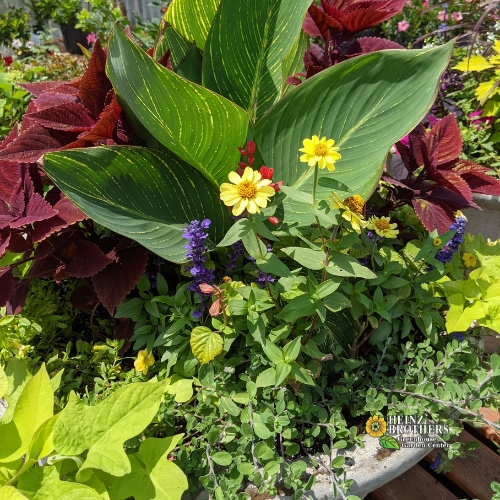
(249, 192)
(321, 152)
(352, 209)
(469, 260)
(383, 227)
(143, 361)
(376, 426)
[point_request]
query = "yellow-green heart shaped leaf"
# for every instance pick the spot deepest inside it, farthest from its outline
(205, 344)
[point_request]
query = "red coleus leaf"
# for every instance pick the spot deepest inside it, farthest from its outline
(4, 241)
(67, 213)
(30, 145)
(369, 44)
(106, 125)
(88, 260)
(124, 331)
(95, 85)
(84, 298)
(444, 140)
(44, 268)
(9, 177)
(13, 134)
(49, 100)
(453, 181)
(25, 206)
(6, 284)
(325, 23)
(70, 87)
(166, 60)
(69, 116)
(116, 280)
(434, 214)
(482, 183)
(18, 296)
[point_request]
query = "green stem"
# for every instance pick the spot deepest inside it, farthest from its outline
(315, 182)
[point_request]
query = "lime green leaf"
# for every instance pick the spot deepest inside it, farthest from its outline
(199, 126)
(17, 377)
(9, 469)
(4, 383)
(205, 344)
(43, 483)
(365, 104)
(473, 63)
(152, 474)
(222, 458)
(192, 18)
(103, 428)
(266, 378)
(389, 443)
(458, 317)
(11, 493)
(246, 47)
(143, 194)
(35, 405)
(41, 444)
(181, 387)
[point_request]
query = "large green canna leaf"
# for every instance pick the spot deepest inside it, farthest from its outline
(199, 126)
(246, 47)
(365, 104)
(143, 194)
(192, 18)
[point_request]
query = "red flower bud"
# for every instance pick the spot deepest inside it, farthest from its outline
(251, 146)
(274, 220)
(251, 159)
(267, 173)
(242, 151)
(277, 186)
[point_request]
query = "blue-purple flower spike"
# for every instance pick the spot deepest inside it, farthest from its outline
(196, 253)
(446, 253)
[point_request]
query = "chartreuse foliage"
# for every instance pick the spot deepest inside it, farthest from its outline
(84, 445)
(476, 298)
(365, 104)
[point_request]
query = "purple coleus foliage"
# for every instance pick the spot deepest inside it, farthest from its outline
(338, 24)
(429, 175)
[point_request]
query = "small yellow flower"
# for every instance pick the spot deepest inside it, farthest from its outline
(321, 152)
(469, 260)
(376, 426)
(21, 348)
(352, 209)
(248, 192)
(383, 227)
(458, 213)
(437, 242)
(143, 361)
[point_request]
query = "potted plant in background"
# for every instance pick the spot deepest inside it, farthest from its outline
(65, 15)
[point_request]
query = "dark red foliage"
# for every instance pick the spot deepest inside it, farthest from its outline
(37, 220)
(429, 175)
(338, 23)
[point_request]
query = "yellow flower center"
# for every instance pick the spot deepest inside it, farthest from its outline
(355, 204)
(320, 149)
(382, 224)
(247, 189)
